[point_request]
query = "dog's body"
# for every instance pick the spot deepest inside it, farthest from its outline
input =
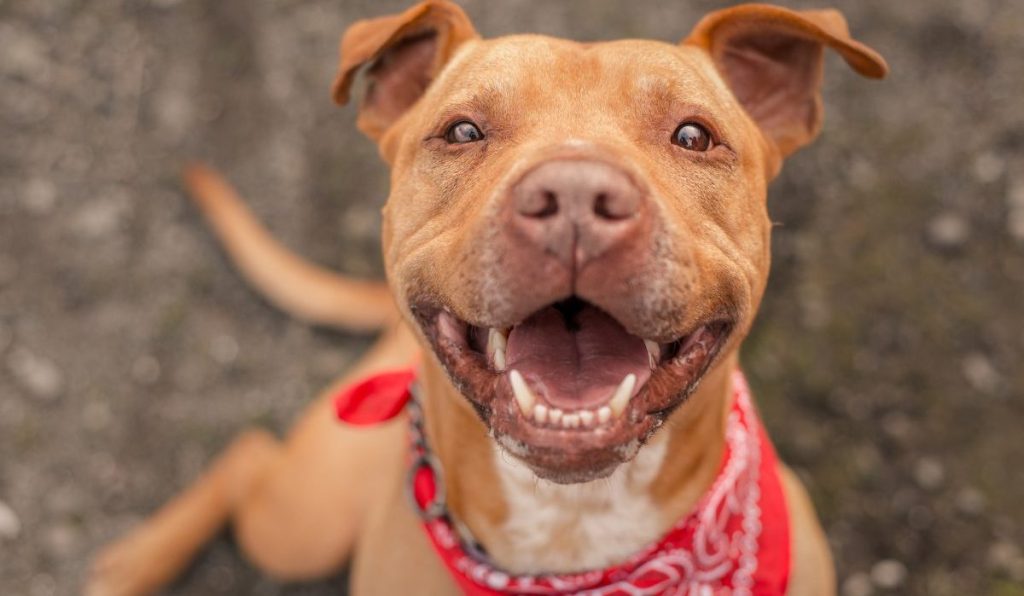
(617, 188)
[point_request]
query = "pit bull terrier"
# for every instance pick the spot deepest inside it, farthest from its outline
(576, 241)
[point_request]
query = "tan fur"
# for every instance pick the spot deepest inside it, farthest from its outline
(304, 290)
(303, 506)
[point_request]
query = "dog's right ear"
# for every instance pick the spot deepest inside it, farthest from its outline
(404, 53)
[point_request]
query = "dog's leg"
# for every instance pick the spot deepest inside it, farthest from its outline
(812, 572)
(155, 552)
(296, 506)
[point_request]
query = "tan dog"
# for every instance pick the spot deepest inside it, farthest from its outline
(575, 213)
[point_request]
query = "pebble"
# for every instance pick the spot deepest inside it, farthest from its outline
(897, 425)
(99, 218)
(988, 167)
(888, 574)
(146, 370)
(980, 373)
(1007, 558)
(863, 175)
(948, 230)
(25, 54)
(1015, 209)
(1015, 224)
(37, 374)
(858, 584)
(10, 525)
(43, 584)
(40, 196)
(224, 349)
(61, 539)
(929, 473)
(1015, 196)
(970, 501)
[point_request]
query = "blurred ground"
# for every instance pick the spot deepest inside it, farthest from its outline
(887, 357)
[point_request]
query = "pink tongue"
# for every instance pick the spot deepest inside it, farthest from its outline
(579, 365)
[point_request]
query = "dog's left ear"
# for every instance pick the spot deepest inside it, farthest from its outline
(772, 58)
(404, 53)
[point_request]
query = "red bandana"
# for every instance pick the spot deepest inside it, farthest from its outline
(734, 543)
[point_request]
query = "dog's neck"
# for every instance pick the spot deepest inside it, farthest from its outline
(528, 525)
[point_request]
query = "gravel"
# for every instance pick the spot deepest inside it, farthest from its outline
(886, 357)
(888, 574)
(10, 525)
(37, 374)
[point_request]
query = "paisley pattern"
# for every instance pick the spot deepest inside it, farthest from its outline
(720, 548)
(734, 543)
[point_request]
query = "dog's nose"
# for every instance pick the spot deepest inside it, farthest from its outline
(576, 209)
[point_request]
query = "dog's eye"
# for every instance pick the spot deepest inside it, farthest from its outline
(463, 131)
(692, 136)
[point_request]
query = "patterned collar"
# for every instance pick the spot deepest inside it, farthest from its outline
(735, 542)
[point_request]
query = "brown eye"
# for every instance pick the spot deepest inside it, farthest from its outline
(692, 136)
(463, 132)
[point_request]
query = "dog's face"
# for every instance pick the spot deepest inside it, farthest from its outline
(579, 231)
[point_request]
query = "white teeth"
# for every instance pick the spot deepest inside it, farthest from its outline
(544, 415)
(653, 352)
(622, 394)
(524, 397)
(496, 345)
(540, 413)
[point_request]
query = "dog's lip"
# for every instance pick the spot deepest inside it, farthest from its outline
(584, 450)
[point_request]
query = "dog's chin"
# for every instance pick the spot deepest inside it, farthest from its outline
(568, 391)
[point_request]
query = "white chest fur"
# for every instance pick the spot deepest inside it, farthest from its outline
(562, 528)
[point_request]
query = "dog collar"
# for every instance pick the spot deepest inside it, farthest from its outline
(734, 543)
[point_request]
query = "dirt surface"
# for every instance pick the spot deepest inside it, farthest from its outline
(887, 356)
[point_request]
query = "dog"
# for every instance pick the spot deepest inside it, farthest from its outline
(576, 242)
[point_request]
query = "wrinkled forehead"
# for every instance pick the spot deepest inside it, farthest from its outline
(552, 73)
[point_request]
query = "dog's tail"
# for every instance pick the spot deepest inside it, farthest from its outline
(301, 288)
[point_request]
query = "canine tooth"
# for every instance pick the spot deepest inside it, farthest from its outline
(587, 417)
(622, 394)
(653, 352)
(604, 414)
(496, 345)
(524, 397)
(571, 421)
(554, 415)
(540, 413)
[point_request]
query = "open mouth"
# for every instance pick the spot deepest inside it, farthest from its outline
(569, 390)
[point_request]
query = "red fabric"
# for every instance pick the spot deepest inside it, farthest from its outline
(374, 399)
(736, 541)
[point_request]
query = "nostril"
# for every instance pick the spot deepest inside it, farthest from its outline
(601, 206)
(607, 207)
(540, 204)
(550, 205)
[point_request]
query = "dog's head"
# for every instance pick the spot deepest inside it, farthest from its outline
(578, 231)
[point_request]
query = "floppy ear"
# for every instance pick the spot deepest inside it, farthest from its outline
(405, 52)
(772, 58)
